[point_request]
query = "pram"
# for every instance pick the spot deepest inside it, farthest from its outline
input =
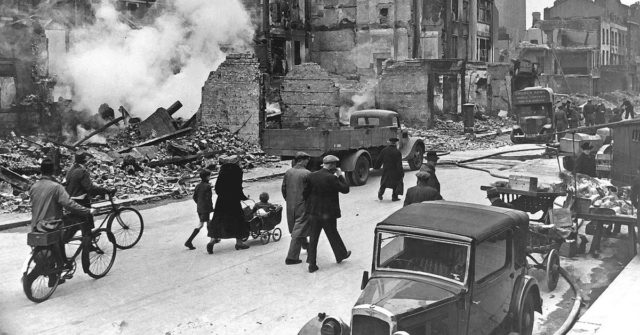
(263, 226)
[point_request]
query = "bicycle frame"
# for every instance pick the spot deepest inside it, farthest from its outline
(56, 248)
(108, 214)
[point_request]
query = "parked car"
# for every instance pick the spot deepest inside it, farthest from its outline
(444, 267)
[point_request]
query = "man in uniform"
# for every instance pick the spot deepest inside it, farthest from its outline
(628, 109)
(292, 188)
(390, 159)
(494, 196)
(321, 194)
(586, 162)
(422, 191)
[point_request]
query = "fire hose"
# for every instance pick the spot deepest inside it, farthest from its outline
(577, 304)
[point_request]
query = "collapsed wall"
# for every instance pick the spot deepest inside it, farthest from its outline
(231, 96)
(404, 88)
(310, 98)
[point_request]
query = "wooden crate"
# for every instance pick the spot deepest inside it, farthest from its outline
(523, 183)
(36, 239)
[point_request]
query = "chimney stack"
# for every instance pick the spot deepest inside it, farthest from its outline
(536, 18)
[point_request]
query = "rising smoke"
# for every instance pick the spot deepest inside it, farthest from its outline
(143, 68)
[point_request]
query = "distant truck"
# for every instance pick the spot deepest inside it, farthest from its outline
(533, 107)
(357, 145)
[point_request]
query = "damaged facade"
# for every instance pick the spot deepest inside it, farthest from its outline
(585, 46)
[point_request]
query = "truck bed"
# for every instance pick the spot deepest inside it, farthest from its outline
(316, 142)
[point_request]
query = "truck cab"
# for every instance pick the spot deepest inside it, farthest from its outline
(444, 267)
(533, 107)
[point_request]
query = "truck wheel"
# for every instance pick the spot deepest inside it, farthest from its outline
(360, 173)
(524, 322)
(514, 139)
(416, 158)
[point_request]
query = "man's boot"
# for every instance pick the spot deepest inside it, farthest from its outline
(189, 244)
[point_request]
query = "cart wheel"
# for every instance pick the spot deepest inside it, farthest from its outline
(264, 238)
(553, 269)
(277, 234)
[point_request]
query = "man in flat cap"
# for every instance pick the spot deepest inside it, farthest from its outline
(292, 187)
(422, 191)
(321, 194)
(494, 196)
(390, 159)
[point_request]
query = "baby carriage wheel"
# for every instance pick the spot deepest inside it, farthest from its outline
(264, 238)
(255, 235)
(277, 234)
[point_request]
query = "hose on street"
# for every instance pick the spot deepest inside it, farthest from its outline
(463, 165)
(575, 310)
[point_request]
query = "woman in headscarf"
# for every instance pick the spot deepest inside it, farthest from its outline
(228, 218)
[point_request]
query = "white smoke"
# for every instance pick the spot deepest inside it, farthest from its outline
(152, 66)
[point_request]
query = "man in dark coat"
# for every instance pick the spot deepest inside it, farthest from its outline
(586, 162)
(390, 159)
(494, 196)
(321, 194)
(561, 119)
(628, 109)
(600, 111)
(422, 191)
(297, 218)
(589, 113)
(79, 185)
(228, 218)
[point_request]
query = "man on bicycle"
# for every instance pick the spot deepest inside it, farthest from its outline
(48, 198)
(79, 184)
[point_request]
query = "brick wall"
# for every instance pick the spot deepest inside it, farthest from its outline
(231, 96)
(310, 98)
(403, 88)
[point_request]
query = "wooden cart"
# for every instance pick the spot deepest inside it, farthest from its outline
(601, 219)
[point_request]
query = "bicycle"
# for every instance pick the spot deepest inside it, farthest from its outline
(130, 225)
(46, 266)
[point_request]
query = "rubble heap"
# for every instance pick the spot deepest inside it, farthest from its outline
(448, 135)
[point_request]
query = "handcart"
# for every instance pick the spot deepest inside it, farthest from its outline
(263, 226)
(544, 238)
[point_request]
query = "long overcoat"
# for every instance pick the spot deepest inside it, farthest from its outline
(292, 189)
(228, 218)
(390, 159)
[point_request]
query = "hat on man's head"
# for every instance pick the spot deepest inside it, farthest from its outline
(393, 139)
(204, 174)
(330, 159)
(427, 167)
(423, 175)
(302, 155)
(586, 146)
(432, 156)
(493, 192)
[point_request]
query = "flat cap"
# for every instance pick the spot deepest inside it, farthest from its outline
(330, 159)
(423, 175)
(302, 154)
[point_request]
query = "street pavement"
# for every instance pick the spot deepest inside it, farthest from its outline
(161, 287)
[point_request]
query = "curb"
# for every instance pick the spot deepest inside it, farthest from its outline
(22, 223)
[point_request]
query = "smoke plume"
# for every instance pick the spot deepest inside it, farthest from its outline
(143, 68)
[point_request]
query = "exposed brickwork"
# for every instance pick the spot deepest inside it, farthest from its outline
(231, 96)
(403, 88)
(310, 98)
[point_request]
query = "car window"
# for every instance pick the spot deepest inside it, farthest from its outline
(442, 258)
(374, 121)
(491, 256)
(362, 121)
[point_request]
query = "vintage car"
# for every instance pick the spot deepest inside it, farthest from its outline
(444, 267)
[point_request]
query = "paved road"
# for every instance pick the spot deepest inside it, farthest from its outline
(161, 287)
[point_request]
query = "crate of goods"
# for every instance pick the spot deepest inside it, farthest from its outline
(36, 239)
(523, 183)
(571, 144)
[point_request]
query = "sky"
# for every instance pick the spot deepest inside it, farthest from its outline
(539, 5)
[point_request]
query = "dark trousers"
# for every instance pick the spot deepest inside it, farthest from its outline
(629, 114)
(331, 230)
(394, 190)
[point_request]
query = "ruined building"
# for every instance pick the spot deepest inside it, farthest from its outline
(586, 46)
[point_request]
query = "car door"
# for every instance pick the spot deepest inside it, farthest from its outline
(493, 284)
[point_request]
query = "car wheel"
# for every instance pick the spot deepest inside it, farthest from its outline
(524, 325)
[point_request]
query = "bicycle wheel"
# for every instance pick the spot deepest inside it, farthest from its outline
(127, 226)
(100, 254)
(41, 277)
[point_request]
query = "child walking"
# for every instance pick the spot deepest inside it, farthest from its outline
(203, 198)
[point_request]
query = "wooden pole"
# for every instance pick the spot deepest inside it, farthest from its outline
(98, 131)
